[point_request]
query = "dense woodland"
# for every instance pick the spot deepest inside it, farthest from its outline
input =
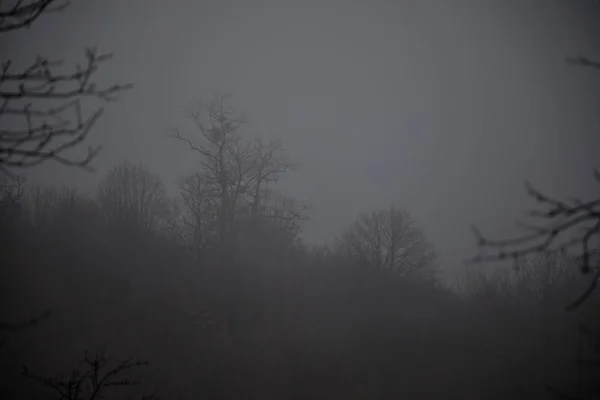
(216, 289)
(136, 291)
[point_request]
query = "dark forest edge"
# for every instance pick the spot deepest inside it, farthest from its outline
(129, 252)
(220, 270)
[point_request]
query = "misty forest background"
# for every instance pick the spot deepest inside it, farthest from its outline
(210, 278)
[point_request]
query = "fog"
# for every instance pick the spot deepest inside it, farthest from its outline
(440, 109)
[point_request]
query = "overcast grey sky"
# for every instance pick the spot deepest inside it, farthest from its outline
(444, 107)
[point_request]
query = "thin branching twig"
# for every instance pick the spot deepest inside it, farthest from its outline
(41, 107)
(564, 225)
(93, 381)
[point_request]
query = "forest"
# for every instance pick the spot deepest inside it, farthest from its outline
(133, 291)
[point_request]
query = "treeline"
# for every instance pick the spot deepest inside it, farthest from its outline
(216, 288)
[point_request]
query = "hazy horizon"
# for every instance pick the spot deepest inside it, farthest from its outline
(444, 108)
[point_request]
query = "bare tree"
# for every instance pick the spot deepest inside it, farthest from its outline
(41, 109)
(564, 225)
(224, 158)
(388, 239)
(234, 170)
(94, 381)
(131, 197)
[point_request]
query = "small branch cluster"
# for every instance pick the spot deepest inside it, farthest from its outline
(565, 225)
(22, 13)
(93, 382)
(40, 133)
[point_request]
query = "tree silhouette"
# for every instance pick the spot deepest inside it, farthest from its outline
(22, 14)
(132, 198)
(389, 239)
(94, 381)
(234, 173)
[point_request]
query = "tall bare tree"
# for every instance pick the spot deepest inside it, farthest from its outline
(388, 239)
(235, 170)
(224, 158)
(132, 197)
(41, 111)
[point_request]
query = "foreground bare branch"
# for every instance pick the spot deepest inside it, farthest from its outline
(43, 114)
(19, 14)
(41, 111)
(564, 225)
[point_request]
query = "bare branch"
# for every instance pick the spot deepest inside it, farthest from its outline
(38, 133)
(583, 62)
(559, 220)
(23, 13)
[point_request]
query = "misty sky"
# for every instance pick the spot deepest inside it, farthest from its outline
(443, 107)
